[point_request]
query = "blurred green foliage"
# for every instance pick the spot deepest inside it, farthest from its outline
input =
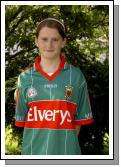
(87, 48)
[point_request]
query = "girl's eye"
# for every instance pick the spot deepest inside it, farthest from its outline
(55, 39)
(44, 39)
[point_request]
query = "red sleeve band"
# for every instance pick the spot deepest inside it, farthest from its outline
(19, 124)
(84, 122)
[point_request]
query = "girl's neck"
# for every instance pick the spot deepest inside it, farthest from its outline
(50, 65)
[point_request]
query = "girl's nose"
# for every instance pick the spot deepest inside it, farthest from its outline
(50, 44)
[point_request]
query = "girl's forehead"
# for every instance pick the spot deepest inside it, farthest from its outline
(48, 30)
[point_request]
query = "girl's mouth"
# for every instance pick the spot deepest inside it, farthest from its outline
(49, 50)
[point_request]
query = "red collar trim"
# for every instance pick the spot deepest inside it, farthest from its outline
(39, 69)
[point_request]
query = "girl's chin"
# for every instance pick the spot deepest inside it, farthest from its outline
(50, 55)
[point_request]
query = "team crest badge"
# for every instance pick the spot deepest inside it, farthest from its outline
(68, 91)
(32, 92)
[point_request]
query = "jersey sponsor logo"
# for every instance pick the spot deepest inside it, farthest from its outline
(55, 114)
(32, 92)
(68, 91)
(49, 115)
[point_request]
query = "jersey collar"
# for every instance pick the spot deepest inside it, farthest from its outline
(63, 65)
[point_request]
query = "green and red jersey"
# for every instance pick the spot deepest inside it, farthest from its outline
(50, 107)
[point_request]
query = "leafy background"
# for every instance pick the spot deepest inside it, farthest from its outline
(87, 48)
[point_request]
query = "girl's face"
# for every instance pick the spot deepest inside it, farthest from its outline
(49, 42)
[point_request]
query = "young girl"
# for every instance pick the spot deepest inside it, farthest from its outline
(52, 98)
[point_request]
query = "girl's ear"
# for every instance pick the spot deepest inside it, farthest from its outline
(36, 42)
(64, 43)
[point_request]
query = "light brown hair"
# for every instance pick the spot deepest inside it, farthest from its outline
(52, 23)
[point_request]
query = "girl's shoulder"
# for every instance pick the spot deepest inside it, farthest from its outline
(76, 71)
(25, 75)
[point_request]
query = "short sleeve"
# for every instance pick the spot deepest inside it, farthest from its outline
(21, 104)
(83, 115)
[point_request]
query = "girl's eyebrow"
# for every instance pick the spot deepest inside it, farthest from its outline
(51, 38)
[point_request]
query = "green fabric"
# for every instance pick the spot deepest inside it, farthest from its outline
(52, 141)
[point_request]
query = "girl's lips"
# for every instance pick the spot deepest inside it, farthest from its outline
(49, 50)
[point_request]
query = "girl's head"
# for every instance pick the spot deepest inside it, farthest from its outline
(52, 23)
(50, 37)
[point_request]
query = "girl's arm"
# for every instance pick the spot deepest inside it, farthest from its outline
(78, 129)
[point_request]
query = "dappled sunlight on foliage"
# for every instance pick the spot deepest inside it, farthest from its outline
(12, 145)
